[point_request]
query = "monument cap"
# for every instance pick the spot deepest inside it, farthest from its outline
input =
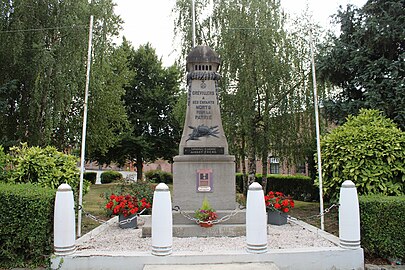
(202, 55)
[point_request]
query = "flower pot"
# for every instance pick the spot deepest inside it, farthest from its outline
(276, 218)
(206, 225)
(130, 221)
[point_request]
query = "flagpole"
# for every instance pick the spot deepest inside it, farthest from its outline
(318, 141)
(193, 21)
(83, 148)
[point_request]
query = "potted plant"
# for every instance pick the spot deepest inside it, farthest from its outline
(278, 205)
(127, 208)
(206, 214)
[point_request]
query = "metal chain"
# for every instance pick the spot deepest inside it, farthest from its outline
(87, 214)
(128, 220)
(327, 210)
(222, 219)
(123, 222)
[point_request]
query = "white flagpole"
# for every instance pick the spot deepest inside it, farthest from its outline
(82, 155)
(318, 141)
(193, 20)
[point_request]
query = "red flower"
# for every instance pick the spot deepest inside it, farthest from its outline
(109, 205)
(278, 201)
(125, 204)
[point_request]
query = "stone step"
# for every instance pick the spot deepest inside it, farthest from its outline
(194, 230)
(225, 266)
(236, 217)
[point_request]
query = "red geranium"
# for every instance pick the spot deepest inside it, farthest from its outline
(277, 201)
(126, 205)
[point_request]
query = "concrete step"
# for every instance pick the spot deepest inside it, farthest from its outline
(236, 217)
(194, 230)
(225, 266)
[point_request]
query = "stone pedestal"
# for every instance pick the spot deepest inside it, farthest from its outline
(186, 182)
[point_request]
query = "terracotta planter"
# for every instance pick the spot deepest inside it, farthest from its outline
(276, 218)
(130, 221)
(206, 225)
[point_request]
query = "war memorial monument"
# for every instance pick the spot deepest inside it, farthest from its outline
(204, 168)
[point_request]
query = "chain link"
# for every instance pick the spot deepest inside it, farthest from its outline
(87, 214)
(327, 210)
(123, 222)
(196, 220)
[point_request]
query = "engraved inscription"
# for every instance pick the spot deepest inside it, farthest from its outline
(203, 151)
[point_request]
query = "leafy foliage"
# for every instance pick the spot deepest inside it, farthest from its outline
(46, 167)
(369, 150)
(149, 100)
(42, 74)
(366, 62)
(382, 221)
(3, 162)
(91, 177)
(299, 187)
(26, 225)
(110, 176)
(159, 176)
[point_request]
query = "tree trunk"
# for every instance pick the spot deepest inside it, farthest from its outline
(264, 170)
(139, 168)
(252, 169)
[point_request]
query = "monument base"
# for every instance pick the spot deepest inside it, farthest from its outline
(196, 177)
(184, 227)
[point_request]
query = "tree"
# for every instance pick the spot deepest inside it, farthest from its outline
(42, 73)
(149, 100)
(42, 56)
(366, 62)
(368, 149)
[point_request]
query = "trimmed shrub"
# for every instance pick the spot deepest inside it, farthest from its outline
(3, 162)
(90, 176)
(45, 166)
(26, 225)
(369, 150)
(300, 187)
(110, 176)
(159, 176)
(382, 225)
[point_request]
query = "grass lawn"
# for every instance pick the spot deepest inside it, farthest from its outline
(309, 211)
(93, 203)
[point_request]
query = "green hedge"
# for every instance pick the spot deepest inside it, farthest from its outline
(110, 176)
(300, 187)
(159, 176)
(26, 225)
(382, 225)
(90, 176)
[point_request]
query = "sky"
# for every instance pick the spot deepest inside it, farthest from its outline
(151, 20)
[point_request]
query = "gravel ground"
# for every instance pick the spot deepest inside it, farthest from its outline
(287, 236)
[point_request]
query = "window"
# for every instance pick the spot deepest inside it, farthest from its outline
(274, 165)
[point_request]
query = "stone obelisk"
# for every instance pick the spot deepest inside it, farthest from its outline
(203, 167)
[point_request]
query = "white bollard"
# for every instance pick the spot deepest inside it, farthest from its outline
(64, 221)
(349, 216)
(256, 224)
(162, 221)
